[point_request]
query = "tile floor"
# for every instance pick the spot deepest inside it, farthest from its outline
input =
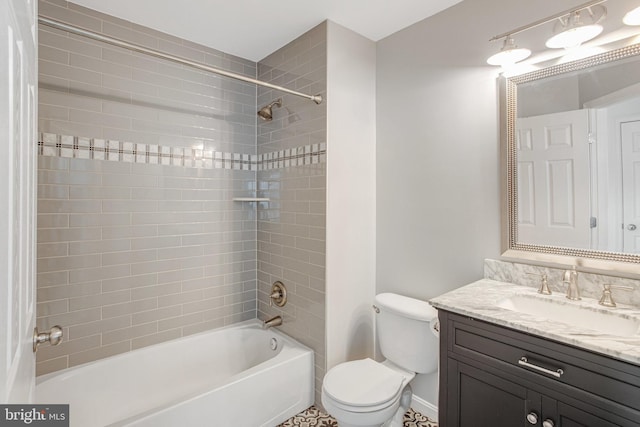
(313, 417)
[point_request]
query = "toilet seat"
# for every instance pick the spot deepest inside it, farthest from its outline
(363, 385)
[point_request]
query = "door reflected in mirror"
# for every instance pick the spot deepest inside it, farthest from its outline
(574, 158)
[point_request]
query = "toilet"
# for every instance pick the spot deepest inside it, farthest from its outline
(366, 393)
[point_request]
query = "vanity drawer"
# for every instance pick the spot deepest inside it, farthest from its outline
(555, 365)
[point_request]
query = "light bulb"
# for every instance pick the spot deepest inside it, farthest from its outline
(574, 36)
(632, 17)
(509, 54)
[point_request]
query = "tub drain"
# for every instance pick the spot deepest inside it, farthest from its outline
(274, 344)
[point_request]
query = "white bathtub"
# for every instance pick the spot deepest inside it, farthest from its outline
(229, 377)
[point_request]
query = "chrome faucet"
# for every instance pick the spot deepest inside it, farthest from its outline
(570, 278)
(274, 321)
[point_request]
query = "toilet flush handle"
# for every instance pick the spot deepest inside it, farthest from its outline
(376, 309)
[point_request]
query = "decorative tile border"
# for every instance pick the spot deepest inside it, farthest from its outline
(54, 145)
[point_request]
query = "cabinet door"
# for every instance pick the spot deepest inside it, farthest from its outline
(568, 416)
(478, 398)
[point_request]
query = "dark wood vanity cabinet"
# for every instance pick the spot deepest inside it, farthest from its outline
(492, 376)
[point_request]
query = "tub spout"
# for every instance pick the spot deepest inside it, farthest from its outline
(274, 321)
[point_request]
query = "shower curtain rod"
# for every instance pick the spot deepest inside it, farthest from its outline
(136, 48)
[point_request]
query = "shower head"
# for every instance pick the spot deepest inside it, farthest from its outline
(266, 112)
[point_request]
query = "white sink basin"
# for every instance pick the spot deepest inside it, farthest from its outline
(570, 313)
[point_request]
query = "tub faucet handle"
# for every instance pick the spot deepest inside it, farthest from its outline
(278, 294)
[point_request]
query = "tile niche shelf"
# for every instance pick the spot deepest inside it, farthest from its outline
(251, 199)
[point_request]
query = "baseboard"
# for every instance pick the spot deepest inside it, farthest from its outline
(424, 407)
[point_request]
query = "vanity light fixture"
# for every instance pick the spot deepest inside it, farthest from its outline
(576, 26)
(632, 17)
(509, 54)
(573, 30)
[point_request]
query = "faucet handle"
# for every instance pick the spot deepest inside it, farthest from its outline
(607, 297)
(544, 284)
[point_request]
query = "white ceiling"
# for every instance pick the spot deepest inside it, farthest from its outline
(253, 29)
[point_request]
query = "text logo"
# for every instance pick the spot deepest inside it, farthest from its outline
(34, 415)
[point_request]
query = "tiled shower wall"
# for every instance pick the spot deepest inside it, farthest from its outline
(291, 227)
(141, 243)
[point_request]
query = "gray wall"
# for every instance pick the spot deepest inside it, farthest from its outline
(438, 194)
(438, 210)
(141, 243)
(292, 226)
(437, 166)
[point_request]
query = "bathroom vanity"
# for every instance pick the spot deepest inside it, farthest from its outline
(501, 367)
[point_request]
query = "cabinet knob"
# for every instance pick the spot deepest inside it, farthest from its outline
(532, 417)
(548, 423)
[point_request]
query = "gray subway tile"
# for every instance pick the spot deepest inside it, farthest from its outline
(99, 326)
(129, 231)
(129, 257)
(56, 249)
(51, 293)
(56, 69)
(51, 308)
(92, 220)
(155, 315)
(68, 346)
(129, 282)
(70, 262)
(155, 291)
(133, 308)
(129, 333)
(99, 300)
(99, 246)
(47, 235)
(51, 365)
(180, 321)
(102, 352)
(69, 319)
(68, 206)
(98, 65)
(100, 273)
(55, 278)
(155, 338)
(180, 298)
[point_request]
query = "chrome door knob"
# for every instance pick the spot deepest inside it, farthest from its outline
(548, 423)
(631, 227)
(54, 337)
(532, 417)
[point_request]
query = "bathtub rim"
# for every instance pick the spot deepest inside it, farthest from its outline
(246, 324)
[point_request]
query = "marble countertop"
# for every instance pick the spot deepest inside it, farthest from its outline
(479, 300)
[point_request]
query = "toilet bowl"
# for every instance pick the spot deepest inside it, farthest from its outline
(366, 393)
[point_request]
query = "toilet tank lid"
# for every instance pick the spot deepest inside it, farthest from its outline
(405, 306)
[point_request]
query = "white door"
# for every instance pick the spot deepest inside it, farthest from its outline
(18, 88)
(553, 179)
(630, 137)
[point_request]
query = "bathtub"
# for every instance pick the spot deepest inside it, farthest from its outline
(235, 376)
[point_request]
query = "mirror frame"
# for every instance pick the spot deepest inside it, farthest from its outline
(601, 260)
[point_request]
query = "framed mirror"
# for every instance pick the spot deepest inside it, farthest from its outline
(573, 161)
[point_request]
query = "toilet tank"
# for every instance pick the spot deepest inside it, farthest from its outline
(405, 335)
